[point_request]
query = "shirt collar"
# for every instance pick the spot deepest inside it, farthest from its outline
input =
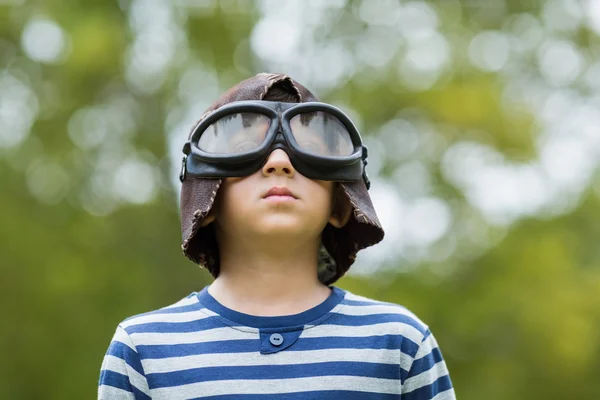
(288, 321)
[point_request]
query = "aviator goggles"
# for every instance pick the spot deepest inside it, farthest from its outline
(236, 139)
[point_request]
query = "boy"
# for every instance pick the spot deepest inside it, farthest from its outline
(274, 204)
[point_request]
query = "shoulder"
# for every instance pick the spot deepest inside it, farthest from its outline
(390, 317)
(183, 311)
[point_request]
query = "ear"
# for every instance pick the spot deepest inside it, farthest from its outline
(209, 218)
(341, 208)
(214, 210)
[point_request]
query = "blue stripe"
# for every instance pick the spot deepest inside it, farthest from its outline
(317, 394)
(361, 303)
(172, 310)
(120, 381)
(139, 395)
(372, 319)
(189, 349)
(125, 353)
(375, 370)
(114, 379)
(430, 391)
(177, 327)
(405, 345)
(400, 342)
(427, 333)
(425, 363)
(371, 303)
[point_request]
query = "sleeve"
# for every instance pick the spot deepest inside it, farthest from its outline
(122, 375)
(428, 377)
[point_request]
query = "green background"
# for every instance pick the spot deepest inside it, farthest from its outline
(482, 123)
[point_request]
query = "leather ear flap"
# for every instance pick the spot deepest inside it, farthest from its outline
(341, 209)
(212, 213)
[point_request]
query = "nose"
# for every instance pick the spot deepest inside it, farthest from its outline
(278, 163)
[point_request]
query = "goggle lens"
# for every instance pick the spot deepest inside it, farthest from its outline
(322, 134)
(317, 132)
(235, 133)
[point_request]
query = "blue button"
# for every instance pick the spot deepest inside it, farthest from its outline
(276, 339)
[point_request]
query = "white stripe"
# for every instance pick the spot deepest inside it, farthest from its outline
(119, 365)
(122, 336)
(374, 309)
(382, 356)
(425, 378)
(374, 304)
(186, 301)
(209, 335)
(115, 364)
(278, 386)
(171, 317)
(386, 328)
(355, 297)
(426, 347)
(113, 393)
(445, 395)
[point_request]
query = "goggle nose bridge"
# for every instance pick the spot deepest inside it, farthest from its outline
(280, 142)
(280, 136)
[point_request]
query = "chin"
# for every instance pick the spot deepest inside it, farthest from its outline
(280, 229)
(281, 225)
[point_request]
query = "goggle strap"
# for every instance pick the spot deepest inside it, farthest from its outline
(183, 171)
(187, 147)
(365, 153)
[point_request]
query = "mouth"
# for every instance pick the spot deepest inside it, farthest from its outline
(279, 193)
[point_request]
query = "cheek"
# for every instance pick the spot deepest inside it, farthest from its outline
(233, 196)
(323, 196)
(223, 202)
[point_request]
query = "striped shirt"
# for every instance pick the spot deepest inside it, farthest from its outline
(348, 347)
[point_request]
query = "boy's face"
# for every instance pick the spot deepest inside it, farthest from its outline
(244, 209)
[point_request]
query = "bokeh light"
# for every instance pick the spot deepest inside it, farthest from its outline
(44, 40)
(482, 121)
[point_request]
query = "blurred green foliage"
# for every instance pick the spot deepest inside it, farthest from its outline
(94, 106)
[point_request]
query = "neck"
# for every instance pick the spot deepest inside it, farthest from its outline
(278, 279)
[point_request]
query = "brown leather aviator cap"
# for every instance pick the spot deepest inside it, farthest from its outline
(339, 245)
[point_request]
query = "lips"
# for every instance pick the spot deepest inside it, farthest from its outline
(279, 191)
